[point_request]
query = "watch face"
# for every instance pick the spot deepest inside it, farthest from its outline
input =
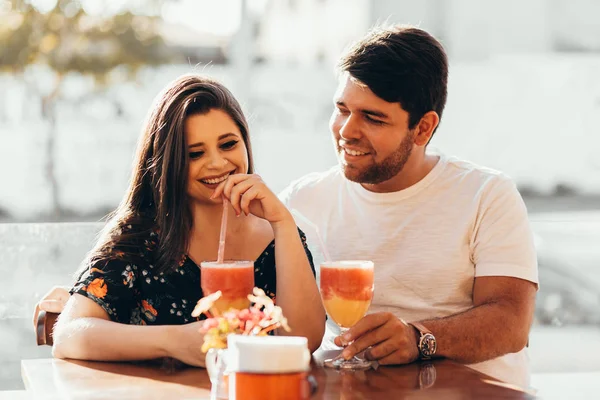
(428, 345)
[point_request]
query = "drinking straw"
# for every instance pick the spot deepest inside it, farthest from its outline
(297, 214)
(221, 252)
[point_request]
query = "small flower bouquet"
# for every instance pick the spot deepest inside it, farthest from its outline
(259, 319)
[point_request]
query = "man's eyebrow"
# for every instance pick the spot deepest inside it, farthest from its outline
(374, 113)
(223, 136)
(365, 111)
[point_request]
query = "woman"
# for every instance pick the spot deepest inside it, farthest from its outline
(134, 298)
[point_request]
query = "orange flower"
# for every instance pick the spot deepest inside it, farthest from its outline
(149, 307)
(97, 288)
(119, 253)
(96, 270)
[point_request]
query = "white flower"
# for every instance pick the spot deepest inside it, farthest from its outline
(206, 303)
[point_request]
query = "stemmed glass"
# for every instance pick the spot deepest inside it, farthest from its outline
(347, 291)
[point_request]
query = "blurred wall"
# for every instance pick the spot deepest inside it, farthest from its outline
(536, 117)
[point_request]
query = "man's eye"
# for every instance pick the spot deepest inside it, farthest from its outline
(374, 121)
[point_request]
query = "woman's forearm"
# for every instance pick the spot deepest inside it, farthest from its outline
(297, 291)
(101, 340)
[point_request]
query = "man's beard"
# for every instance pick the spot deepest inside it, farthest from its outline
(384, 170)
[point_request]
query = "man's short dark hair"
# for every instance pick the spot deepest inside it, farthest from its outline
(401, 64)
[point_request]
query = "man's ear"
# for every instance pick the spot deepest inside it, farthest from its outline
(425, 127)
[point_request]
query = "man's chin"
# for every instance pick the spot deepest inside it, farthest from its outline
(352, 173)
(362, 176)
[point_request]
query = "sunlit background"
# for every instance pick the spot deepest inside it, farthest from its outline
(77, 78)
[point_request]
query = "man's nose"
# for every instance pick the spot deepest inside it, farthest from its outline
(349, 128)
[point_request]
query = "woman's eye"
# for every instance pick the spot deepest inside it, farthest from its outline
(229, 145)
(196, 154)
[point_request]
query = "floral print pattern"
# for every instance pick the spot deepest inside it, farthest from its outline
(134, 294)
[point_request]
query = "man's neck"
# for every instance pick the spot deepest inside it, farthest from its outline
(416, 168)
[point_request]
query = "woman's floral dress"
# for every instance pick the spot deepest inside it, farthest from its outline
(134, 293)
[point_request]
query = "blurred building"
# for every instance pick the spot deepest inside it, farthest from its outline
(309, 31)
(197, 47)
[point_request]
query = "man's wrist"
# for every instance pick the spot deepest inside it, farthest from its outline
(426, 341)
(417, 337)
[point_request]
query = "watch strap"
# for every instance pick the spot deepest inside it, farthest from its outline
(420, 328)
(423, 331)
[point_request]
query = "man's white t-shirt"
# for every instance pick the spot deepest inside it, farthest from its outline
(428, 242)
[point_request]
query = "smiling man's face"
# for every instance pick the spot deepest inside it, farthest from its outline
(371, 135)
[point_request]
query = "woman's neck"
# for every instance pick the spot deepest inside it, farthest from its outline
(247, 236)
(207, 220)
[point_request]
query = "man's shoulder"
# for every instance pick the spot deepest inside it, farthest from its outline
(312, 183)
(475, 174)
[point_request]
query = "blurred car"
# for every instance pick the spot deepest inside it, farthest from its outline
(569, 292)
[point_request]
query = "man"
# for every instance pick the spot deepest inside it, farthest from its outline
(455, 263)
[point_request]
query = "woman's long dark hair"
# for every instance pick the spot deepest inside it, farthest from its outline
(156, 200)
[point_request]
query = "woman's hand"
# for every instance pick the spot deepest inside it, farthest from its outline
(186, 342)
(250, 195)
(54, 301)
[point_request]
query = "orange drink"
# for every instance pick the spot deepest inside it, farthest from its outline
(347, 291)
(235, 280)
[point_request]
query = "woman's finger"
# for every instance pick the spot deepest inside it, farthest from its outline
(231, 181)
(222, 187)
(219, 190)
(249, 195)
(236, 193)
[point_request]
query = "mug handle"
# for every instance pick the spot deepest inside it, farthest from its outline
(211, 363)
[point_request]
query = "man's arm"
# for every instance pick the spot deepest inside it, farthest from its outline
(504, 257)
(497, 324)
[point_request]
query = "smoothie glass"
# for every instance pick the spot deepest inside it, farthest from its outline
(347, 291)
(235, 280)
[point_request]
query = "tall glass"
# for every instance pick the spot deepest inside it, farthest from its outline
(235, 280)
(347, 291)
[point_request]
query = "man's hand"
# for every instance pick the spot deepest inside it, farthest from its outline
(386, 339)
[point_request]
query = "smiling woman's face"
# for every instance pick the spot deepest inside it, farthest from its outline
(216, 150)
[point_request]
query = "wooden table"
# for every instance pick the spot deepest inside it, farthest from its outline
(53, 379)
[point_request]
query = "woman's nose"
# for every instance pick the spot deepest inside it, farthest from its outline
(217, 161)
